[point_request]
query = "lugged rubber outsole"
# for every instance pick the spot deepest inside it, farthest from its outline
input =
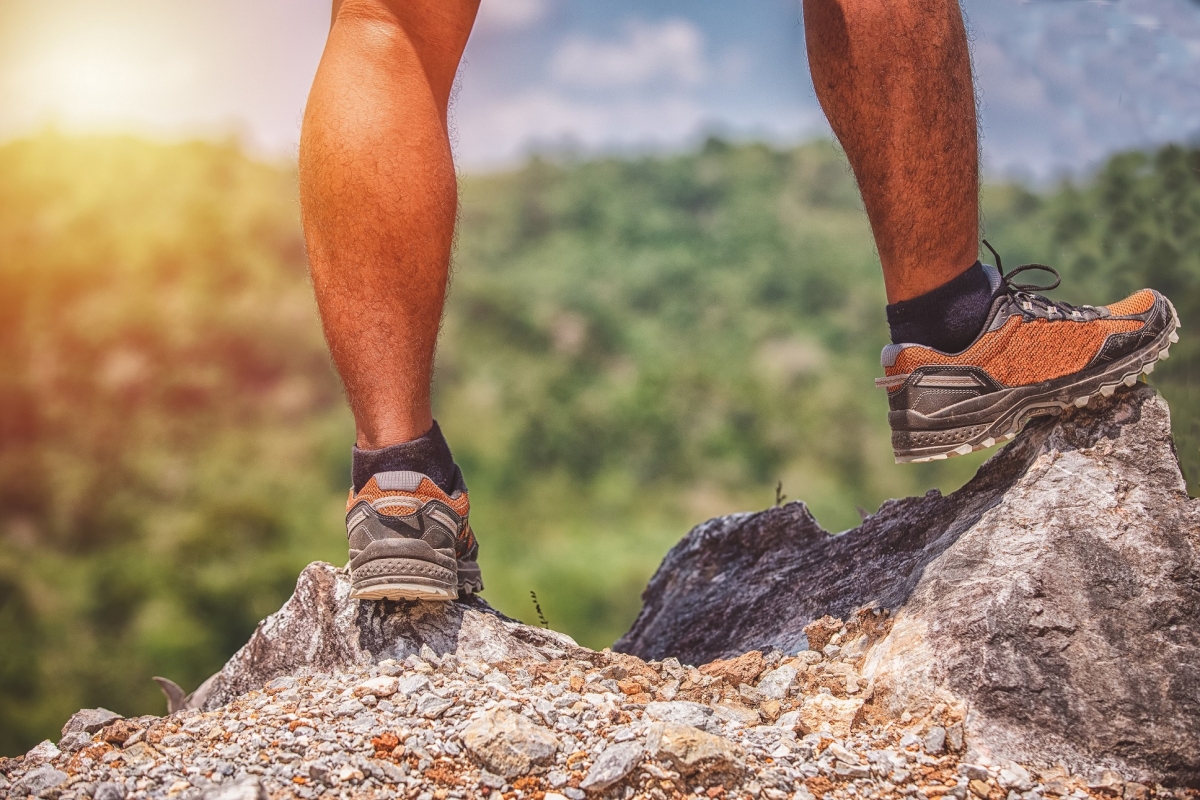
(403, 591)
(1127, 377)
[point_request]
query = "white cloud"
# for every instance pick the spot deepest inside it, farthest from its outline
(510, 15)
(496, 132)
(672, 50)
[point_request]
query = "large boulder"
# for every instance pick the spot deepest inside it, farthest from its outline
(1054, 599)
(321, 629)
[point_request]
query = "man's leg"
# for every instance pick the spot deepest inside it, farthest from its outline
(973, 357)
(894, 79)
(379, 199)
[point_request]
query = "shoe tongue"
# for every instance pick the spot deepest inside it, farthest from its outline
(399, 481)
(993, 276)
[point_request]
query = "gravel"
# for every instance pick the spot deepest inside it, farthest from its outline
(434, 728)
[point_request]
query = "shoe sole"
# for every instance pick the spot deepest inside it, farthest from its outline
(413, 579)
(1013, 408)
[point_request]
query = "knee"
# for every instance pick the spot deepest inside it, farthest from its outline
(424, 20)
(435, 30)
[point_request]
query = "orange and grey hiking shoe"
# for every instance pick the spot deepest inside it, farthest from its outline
(409, 540)
(1034, 356)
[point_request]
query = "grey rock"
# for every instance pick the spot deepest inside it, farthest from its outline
(43, 778)
(494, 781)
(42, 752)
(321, 629)
(89, 720)
(973, 772)
(509, 744)
(573, 793)
(1016, 777)
(775, 684)
(74, 741)
(1056, 595)
(681, 712)
(109, 791)
(349, 708)
(413, 684)
(246, 789)
(692, 751)
(612, 765)
(935, 741)
(431, 706)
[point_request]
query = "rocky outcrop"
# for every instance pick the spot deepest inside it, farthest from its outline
(1031, 636)
(321, 629)
(1054, 599)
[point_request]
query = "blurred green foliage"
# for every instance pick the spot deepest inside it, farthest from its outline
(630, 347)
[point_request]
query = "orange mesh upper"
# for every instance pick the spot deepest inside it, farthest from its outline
(1021, 353)
(427, 490)
(1136, 303)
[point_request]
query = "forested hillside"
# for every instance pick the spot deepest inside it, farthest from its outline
(631, 346)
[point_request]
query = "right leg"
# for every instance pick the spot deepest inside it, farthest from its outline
(379, 199)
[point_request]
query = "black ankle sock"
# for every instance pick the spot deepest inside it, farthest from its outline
(947, 318)
(429, 455)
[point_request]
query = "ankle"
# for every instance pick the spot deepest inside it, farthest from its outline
(947, 318)
(428, 454)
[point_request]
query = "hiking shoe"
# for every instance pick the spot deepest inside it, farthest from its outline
(1035, 356)
(409, 540)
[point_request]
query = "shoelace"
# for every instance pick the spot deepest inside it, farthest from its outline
(1025, 295)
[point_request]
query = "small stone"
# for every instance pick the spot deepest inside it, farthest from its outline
(831, 651)
(43, 778)
(138, 754)
(775, 684)
(428, 655)
(736, 713)
(935, 741)
(743, 669)
(109, 791)
(820, 631)
(431, 706)
(681, 712)
(245, 789)
(509, 744)
(496, 781)
(41, 753)
(838, 751)
(349, 708)
(612, 765)
(954, 737)
(691, 750)
(383, 686)
(1135, 791)
(823, 712)
(499, 680)
(119, 731)
(1016, 777)
(76, 740)
(574, 794)
(979, 788)
(555, 796)
(770, 710)
(89, 720)
(281, 684)
(973, 772)
(413, 684)
(789, 720)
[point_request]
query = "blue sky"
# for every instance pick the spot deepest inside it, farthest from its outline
(1061, 82)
